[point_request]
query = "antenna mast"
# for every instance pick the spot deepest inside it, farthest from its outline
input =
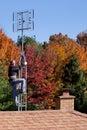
(22, 21)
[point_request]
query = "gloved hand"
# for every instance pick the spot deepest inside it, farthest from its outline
(25, 63)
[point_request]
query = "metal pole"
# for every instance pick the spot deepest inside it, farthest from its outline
(22, 32)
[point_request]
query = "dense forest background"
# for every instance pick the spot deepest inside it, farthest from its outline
(59, 63)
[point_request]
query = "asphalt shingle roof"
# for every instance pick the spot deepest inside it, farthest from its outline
(43, 120)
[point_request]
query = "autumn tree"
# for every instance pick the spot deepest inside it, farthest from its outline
(8, 50)
(82, 38)
(69, 47)
(59, 49)
(40, 85)
(64, 48)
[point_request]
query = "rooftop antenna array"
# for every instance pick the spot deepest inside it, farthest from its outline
(22, 21)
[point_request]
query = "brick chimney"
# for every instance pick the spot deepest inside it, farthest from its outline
(65, 102)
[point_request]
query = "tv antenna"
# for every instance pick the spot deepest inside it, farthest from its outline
(22, 21)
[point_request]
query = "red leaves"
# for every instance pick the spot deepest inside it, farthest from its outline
(40, 75)
(43, 93)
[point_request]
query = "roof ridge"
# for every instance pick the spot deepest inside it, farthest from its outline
(79, 113)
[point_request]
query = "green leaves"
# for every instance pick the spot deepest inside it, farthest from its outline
(6, 99)
(75, 80)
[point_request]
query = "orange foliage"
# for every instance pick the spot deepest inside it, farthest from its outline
(66, 46)
(60, 48)
(8, 50)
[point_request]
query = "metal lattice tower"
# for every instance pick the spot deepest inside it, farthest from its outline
(23, 21)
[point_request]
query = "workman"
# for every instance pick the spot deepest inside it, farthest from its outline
(18, 84)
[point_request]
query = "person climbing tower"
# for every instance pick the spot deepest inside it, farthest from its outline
(18, 84)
